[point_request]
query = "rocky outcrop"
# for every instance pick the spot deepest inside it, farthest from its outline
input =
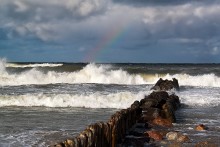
(166, 85)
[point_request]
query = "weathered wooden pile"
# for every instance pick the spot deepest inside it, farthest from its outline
(132, 126)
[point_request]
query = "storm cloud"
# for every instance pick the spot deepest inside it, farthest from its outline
(188, 29)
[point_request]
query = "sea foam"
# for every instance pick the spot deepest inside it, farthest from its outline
(101, 74)
(32, 65)
(91, 73)
(96, 100)
(209, 80)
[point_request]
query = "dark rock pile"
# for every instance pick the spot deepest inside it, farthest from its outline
(166, 85)
(158, 114)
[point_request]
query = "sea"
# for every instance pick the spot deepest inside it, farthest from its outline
(44, 103)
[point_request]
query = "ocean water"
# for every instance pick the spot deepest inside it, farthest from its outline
(43, 103)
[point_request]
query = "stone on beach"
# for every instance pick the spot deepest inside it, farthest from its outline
(183, 138)
(162, 122)
(156, 135)
(172, 135)
(201, 127)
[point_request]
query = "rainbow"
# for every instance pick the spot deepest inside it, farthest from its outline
(111, 38)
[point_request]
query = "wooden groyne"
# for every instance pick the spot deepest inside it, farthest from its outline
(106, 134)
(127, 127)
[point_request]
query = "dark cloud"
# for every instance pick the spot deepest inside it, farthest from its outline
(144, 3)
(181, 27)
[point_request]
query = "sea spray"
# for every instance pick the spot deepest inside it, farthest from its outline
(91, 73)
(205, 80)
(95, 73)
(96, 100)
(13, 65)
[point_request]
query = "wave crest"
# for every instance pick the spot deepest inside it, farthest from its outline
(96, 100)
(91, 73)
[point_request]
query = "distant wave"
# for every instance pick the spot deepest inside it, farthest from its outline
(202, 97)
(96, 100)
(91, 73)
(209, 80)
(32, 65)
(102, 74)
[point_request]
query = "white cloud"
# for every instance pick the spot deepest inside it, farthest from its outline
(186, 20)
(77, 20)
(83, 8)
(20, 6)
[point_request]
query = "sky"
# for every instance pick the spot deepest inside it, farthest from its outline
(110, 31)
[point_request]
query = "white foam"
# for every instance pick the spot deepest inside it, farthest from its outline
(96, 100)
(208, 80)
(91, 73)
(32, 65)
(205, 97)
(103, 74)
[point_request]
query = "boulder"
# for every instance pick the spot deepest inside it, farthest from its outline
(162, 122)
(166, 85)
(201, 127)
(150, 114)
(172, 135)
(183, 138)
(168, 112)
(156, 135)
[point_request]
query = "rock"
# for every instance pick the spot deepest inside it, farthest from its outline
(159, 95)
(183, 138)
(174, 100)
(176, 136)
(166, 85)
(172, 135)
(155, 135)
(201, 127)
(155, 99)
(149, 103)
(150, 114)
(168, 112)
(162, 122)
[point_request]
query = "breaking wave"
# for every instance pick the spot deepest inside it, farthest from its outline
(96, 100)
(32, 65)
(102, 74)
(91, 73)
(205, 80)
